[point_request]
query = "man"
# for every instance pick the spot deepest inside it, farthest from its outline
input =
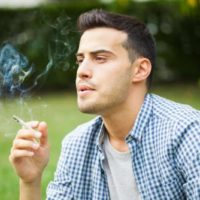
(141, 146)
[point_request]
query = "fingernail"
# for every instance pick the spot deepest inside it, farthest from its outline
(34, 123)
(37, 134)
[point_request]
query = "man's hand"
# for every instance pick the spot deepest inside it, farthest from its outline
(28, 157)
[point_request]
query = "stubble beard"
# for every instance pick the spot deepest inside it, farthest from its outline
(103, 104)
(109, 99)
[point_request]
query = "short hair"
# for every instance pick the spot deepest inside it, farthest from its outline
(139, 43)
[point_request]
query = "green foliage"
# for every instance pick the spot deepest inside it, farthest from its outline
(176, 28)
(47, 35)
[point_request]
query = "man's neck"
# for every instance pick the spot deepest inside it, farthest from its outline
(120, 122)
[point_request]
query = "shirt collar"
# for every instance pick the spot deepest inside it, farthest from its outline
(142, 118)
(101, 134)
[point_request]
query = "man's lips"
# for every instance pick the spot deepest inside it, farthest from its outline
(84, 88)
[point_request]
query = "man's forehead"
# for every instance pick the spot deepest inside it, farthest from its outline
(104, 33)
(101, 38)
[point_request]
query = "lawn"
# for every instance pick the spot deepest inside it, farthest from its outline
(60, 112)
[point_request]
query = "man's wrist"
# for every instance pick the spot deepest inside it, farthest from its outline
(30, 190)
(30, 183)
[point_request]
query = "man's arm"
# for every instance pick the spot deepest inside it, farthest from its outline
(188, 158)
(29, 159)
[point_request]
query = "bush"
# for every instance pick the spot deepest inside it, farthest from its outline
(48, 38)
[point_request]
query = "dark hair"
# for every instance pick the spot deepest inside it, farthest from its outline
(139, 43)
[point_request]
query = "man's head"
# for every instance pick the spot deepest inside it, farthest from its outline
(113, 68)
(139, 43)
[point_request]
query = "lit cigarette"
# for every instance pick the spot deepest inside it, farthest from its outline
(25, 125)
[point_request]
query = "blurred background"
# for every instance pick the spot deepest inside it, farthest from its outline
(44, 34)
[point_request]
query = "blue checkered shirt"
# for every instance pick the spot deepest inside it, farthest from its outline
(165, 148)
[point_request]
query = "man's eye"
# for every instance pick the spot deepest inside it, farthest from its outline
(100, 59)
(79, 61)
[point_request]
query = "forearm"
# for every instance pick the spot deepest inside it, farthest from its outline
(30, 191)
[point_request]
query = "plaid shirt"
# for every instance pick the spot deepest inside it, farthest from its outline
(165, 149)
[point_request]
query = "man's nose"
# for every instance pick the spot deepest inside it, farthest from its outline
(84, 70)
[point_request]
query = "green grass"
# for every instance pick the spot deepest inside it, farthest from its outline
(186, 94)
(61, 114)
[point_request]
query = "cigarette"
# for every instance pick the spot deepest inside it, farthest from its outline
(25, 125)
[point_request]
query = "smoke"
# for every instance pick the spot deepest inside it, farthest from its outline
(14, 70)
(18, 78)
(64, 42)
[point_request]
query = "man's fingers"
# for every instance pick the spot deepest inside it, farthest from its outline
(25, 144)
(33, 124)
(28, 134)
(16, 153)
(26, 138)
(42, 127)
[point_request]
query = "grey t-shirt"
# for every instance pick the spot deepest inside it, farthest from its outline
(118, 168)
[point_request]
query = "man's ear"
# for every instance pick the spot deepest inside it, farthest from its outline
(141, 69)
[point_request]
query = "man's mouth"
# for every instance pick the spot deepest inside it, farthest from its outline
(84, 89)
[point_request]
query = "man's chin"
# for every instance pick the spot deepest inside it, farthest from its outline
(86, 109)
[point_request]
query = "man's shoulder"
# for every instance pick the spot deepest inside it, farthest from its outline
(167, 109)
(177, 122)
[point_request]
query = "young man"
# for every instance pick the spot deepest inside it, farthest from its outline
(141, 146)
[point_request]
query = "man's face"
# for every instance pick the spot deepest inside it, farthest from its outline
(104, 74)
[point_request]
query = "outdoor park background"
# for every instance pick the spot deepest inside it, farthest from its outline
(47, 33)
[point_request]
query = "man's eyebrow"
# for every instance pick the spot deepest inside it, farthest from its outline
(96, 52)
